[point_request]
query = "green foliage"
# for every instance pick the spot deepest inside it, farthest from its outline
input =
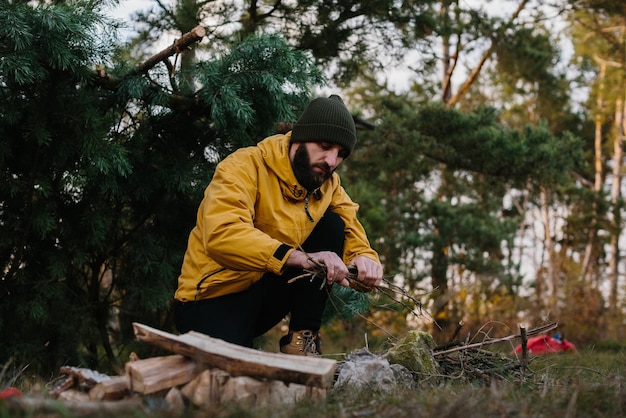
(241, 88)
(345, 303)
(526, 54)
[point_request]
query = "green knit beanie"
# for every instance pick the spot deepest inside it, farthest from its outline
(326, 120)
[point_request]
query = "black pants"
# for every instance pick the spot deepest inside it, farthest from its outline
(240, 317)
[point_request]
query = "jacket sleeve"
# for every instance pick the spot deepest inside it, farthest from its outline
(227, 218)
(356, 242)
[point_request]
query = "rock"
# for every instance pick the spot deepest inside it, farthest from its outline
(414, 352)
(403, 376)
(366, 371)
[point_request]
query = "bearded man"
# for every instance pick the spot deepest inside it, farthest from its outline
(270, 212)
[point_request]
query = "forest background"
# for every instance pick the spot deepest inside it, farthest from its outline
(490, 182)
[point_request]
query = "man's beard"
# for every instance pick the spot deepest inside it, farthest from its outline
(303, 169)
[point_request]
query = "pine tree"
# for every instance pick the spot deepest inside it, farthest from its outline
(103, 167)
(410, 215)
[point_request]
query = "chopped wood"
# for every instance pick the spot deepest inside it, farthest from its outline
(214, 387)
(246, 389)
(86, 379)
(110, 390)
(87, 376)
(242, 361)
(204, 390)
(157, 373)
(175, 400)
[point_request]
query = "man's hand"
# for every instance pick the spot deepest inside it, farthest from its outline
(370, 271)
(336, 270)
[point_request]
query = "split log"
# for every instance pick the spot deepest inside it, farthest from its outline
(204, 390)
(110, 390)
(244, 389)
(157, 373)
(175, 400)
(242, 361)
(214, 387)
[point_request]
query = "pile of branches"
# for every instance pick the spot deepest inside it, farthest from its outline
(472, 363)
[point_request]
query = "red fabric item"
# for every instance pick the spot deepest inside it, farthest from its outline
(545, 344)
(10, 393)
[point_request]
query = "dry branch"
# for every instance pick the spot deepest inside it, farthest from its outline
(194, 35)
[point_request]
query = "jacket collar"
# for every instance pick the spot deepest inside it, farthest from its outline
(275, 151)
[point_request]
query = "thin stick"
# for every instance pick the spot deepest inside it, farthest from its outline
(524, 360)
(456, 331)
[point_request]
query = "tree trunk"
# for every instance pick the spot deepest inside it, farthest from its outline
(618, 159)
(597, 185)
(552, 279)
(439, 279)
(448, 67)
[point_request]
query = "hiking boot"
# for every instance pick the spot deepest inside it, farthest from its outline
(301, 343)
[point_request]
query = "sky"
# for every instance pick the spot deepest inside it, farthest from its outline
(397, 78)
(127, 7)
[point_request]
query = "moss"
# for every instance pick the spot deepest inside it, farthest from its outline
(415, 352)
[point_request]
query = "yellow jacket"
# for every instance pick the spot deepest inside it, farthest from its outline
(253, 215)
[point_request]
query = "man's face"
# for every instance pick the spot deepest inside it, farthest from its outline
(314, 162)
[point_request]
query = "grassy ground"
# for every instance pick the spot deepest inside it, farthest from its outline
(587, 384)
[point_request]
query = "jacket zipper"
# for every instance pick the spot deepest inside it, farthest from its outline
(306, 208)
(195, 296)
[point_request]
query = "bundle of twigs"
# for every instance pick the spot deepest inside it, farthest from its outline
(388, 289)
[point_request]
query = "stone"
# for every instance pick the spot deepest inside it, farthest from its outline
(363, 370)
(415, 352)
